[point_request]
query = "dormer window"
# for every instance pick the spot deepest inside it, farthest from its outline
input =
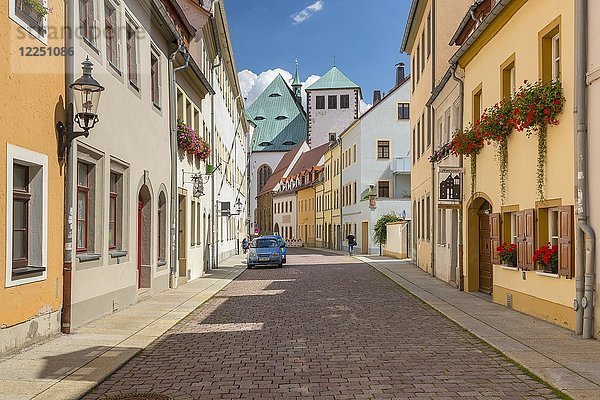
(275, 94)
(280, 117)
(259, 118)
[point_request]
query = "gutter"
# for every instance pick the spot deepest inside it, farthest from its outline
(460, 267)
(498, 8)
(431, 115)
(409, 24)
(584, 237)
(174, 217)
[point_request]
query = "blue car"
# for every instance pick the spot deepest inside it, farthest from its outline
(265, 251)
(282, 244)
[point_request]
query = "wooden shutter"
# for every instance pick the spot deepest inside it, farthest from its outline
(565, 241)
(520, 233)
(529, 236)
(495, 237)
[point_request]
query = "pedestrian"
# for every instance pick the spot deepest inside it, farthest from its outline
(245, 245)
(351, 243)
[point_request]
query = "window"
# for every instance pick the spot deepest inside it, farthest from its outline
(419, 139)
(427, 128)
(383, 149)
(86, 20)
(132, 64)
(345, 101)
(417, 67)
(447, 117)
(27, 216)
(162, 227)
(29, 17)
(354, 153)
(110, 29)
(414, 143)
(412, 69)
(83, 200)
(264, 173)
(113, 210)
(20, 235)
(320, 102)
(422, 50)
(354, 194)
(428, 205)
(429, 34)
(383, 189)
(332, 137)
(403, 111)
(550, 52)
(477, 104)
(508, 78)
(193, 224)
(154, 80)
(332, 102)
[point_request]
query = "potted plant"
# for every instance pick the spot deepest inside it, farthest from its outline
(469, 143)
(508, 254)
(547, 258)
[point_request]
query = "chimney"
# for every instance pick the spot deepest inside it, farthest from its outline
(376, 96)
(400, 73)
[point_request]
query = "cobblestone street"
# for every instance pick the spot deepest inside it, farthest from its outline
(326, 327)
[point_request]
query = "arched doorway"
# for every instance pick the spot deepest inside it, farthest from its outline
(144, 238)
(480, 268)
(276, 229)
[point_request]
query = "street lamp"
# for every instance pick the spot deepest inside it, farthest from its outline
(86, 94)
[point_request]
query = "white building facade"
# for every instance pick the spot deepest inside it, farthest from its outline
(376, 162)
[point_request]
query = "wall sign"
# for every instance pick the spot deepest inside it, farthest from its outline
(450, 186)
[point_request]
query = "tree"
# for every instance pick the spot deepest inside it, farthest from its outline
(381, 227)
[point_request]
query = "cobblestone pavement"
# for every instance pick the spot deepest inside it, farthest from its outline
(323, 327)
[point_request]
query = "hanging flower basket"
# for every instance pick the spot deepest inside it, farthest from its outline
(469, 143)
(537, 106)
(187, 138)
(202, 149)
(442, 152)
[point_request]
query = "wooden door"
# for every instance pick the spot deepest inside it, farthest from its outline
(485, 254)
(181, 238)
(365, 238)
(139, 245)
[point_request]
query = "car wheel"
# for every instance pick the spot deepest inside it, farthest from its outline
(280, 265)
(285, 260)
(250, 266)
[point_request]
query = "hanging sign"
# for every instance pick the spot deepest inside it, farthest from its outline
(450, 187)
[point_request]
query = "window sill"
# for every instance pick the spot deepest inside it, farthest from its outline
(117, 253)
(548, 274)
(115, 68)
(161, 263)
(88, 257)
(134, 86)
(156, 106)
(509, 268)
(91, 45)
(30, 269)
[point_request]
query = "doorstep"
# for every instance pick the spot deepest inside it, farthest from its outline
(71, 365)
(555, 354)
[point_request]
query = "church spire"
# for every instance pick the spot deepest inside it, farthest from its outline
(297, 85)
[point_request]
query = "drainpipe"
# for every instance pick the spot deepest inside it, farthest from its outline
(459, 273)
(341, 238)
(430, 113)
(585, 236)
(173, 139)
(214, 211)
(65, 324)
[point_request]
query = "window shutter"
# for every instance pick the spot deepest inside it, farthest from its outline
(529, 236)
(520, 233)
(495, 237)
(565, 241)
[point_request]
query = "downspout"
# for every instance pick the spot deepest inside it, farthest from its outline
(215, 225)
(585, 236)
(174, 188)
(341, 197)
(459, 273)
(430, 113)
(65, 324)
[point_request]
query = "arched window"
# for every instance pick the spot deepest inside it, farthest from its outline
(264, 173)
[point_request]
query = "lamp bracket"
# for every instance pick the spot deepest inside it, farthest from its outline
(65, 138)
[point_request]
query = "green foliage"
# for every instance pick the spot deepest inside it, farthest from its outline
(37, 6)
(381, 227)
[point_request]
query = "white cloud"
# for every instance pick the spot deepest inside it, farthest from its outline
(306, 13)
(363, 107)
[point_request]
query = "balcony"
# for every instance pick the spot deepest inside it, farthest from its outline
(401, 165)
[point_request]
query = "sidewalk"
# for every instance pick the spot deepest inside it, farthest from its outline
(70, 365)
(555, 354)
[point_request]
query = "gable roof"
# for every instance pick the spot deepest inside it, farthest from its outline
(309, 159)
(280, 169)
(274, 103)
(333, 79)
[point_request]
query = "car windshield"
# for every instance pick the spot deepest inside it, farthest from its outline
(265, 243)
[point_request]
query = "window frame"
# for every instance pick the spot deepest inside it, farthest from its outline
(21, 196)
(332, 102)
(113, 196)
(20, 17)
(382, 145)
(85, 191)
(30, 159)
(155, 79)
(111, 37)
(320, 102)
(88, 33)
(387, 187)
(132, 59)
(344, 101)
(403, 111)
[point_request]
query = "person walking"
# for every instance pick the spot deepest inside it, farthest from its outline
(245, 245)
(351, 243)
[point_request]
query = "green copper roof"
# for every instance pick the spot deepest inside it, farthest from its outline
(297, 81)
(333, 79)
(280, 120)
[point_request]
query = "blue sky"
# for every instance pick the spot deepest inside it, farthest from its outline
(364, 36)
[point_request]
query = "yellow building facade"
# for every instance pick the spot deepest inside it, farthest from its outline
(31, 200)
(428, 31)
(327, 195)
(306, 215)
(540, 33)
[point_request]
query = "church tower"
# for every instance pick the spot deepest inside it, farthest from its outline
(297, 85)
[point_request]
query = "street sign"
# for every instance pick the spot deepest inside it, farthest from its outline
(450, 187)
(256, 230)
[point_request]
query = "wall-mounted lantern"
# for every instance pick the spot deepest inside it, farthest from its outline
(372, 197)
(86, 95)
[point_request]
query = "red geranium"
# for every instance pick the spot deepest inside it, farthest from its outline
(547, 258)
(508, 253)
